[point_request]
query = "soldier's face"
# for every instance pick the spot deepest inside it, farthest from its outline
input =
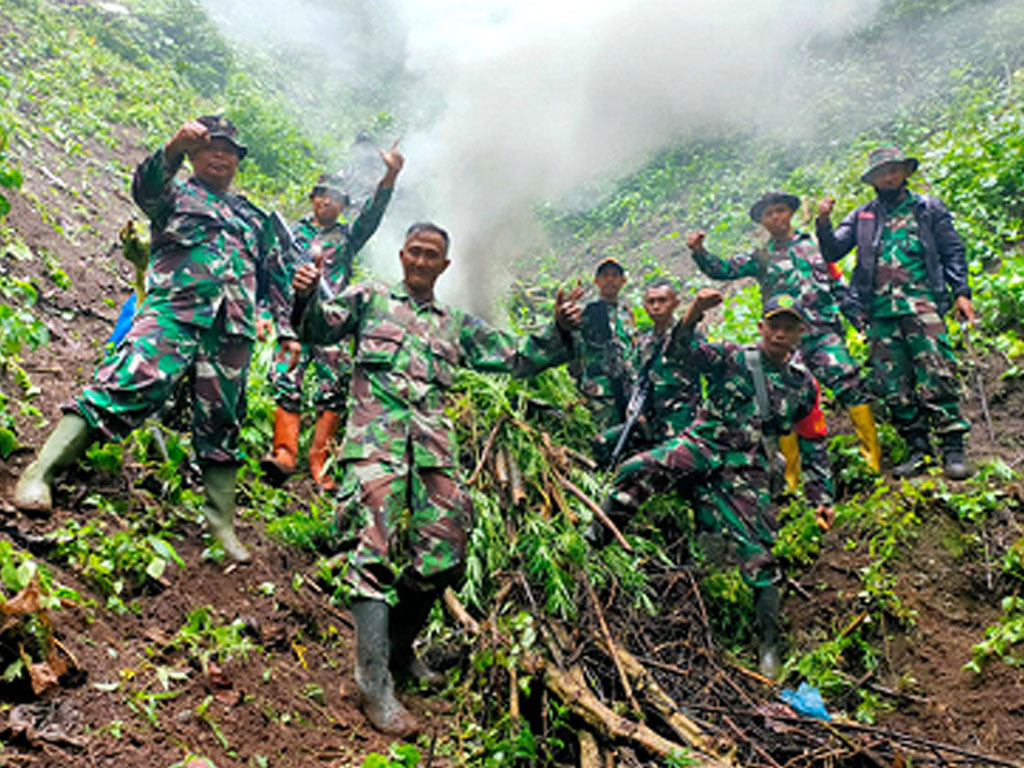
(609, 283)
(776, 218)
(326, 208)
(779, 335)
(423, 260)
(891, 176)
(661, 303)
(215, 164)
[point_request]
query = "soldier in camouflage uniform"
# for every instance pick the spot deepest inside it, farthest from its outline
(601, 368)
(726, 457)
(792, 265)
(660, 366)
(209, 249)
(320, 233)
(406, 520)
(911, 270)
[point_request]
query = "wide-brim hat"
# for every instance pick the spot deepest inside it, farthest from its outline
(609, 261)
(783, 304)
(771, 198)
(887, 155)
(329, 183)
(219, 127)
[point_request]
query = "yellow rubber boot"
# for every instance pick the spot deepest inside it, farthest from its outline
(864, 426)
(790, 447)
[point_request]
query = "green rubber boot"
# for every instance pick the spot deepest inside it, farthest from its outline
(766, 610)
(219, 511)
(373, 677)
(407, 619)
(66, 443)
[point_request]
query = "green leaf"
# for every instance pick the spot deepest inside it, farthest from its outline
(155, 569)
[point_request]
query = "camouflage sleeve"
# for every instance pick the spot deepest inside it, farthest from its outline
(152, 189)
(316, 322)
(716, 360)
(812, 433)
(717, 268)
(366, 224)
(487, 349)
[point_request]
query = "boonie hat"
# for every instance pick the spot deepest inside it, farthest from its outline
(771, 198)
(887, 155)
(329, 183)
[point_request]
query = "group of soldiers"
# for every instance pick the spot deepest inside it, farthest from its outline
(711, 426)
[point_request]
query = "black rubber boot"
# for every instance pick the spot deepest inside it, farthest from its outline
(918, 450)
(766, 611)
(954, 462)
(373, 677)
(407, 619)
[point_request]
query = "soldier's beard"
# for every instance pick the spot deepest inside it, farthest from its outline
(891, 196)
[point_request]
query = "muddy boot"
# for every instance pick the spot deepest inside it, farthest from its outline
(407, 619)
(918, 450)
(373, 678)
(279, 464)
(66, 443)
(954, 462)
(766, 611)
(867, 433)
(326, 426)
(219, 510)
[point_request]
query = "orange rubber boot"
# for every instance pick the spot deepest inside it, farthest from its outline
(326, 426)
(279, 464)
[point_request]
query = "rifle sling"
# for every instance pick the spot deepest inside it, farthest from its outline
(756, 368)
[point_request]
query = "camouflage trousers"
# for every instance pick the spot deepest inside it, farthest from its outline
(331, 366)
(400, 521)
(913, 370)
(824, 353)
(729, 491)
(139, 376)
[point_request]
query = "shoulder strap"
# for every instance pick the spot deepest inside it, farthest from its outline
(753, 358)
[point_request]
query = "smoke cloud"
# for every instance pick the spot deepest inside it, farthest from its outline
(512, 102)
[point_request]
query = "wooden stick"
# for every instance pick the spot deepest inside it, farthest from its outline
(611, 647)
(458, 610)
(593, 507)
(486, 451)
(590, 755)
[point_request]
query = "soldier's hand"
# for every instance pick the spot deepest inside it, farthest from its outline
(824, 516)
(264, 328)
(568, 313)
(191, 136)
(695, 241)
(825, 206)
(707, 298)
(306, 279)
(965, 310)
(394, 160)
(289, 351)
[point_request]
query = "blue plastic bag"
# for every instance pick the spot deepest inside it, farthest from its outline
(806, 700)
(124, 322)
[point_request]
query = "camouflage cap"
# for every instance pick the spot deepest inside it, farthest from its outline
(890, 154)
(609, 261)
(220, 127)
(771, 198)
(329, 184)
(783, 303)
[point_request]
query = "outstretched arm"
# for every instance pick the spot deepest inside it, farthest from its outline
(369, 218)
(717, 268)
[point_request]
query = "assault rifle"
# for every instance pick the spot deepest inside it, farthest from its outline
(634, 410)
(291, 248)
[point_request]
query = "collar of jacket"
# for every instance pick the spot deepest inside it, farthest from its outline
(400, 292)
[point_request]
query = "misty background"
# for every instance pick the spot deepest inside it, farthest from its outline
(501, 106)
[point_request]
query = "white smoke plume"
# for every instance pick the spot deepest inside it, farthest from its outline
(512, 102)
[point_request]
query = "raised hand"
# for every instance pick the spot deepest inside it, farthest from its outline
(192, 135)
(568, 313)
(695, 241)
(825, 206)
(394, 160)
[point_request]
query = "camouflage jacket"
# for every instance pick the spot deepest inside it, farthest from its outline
(797, 270)
(901, 277)
(339, 243)
(209, 252)
(602, 367)
(405, 361)
(675, 385)
(730, 419)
